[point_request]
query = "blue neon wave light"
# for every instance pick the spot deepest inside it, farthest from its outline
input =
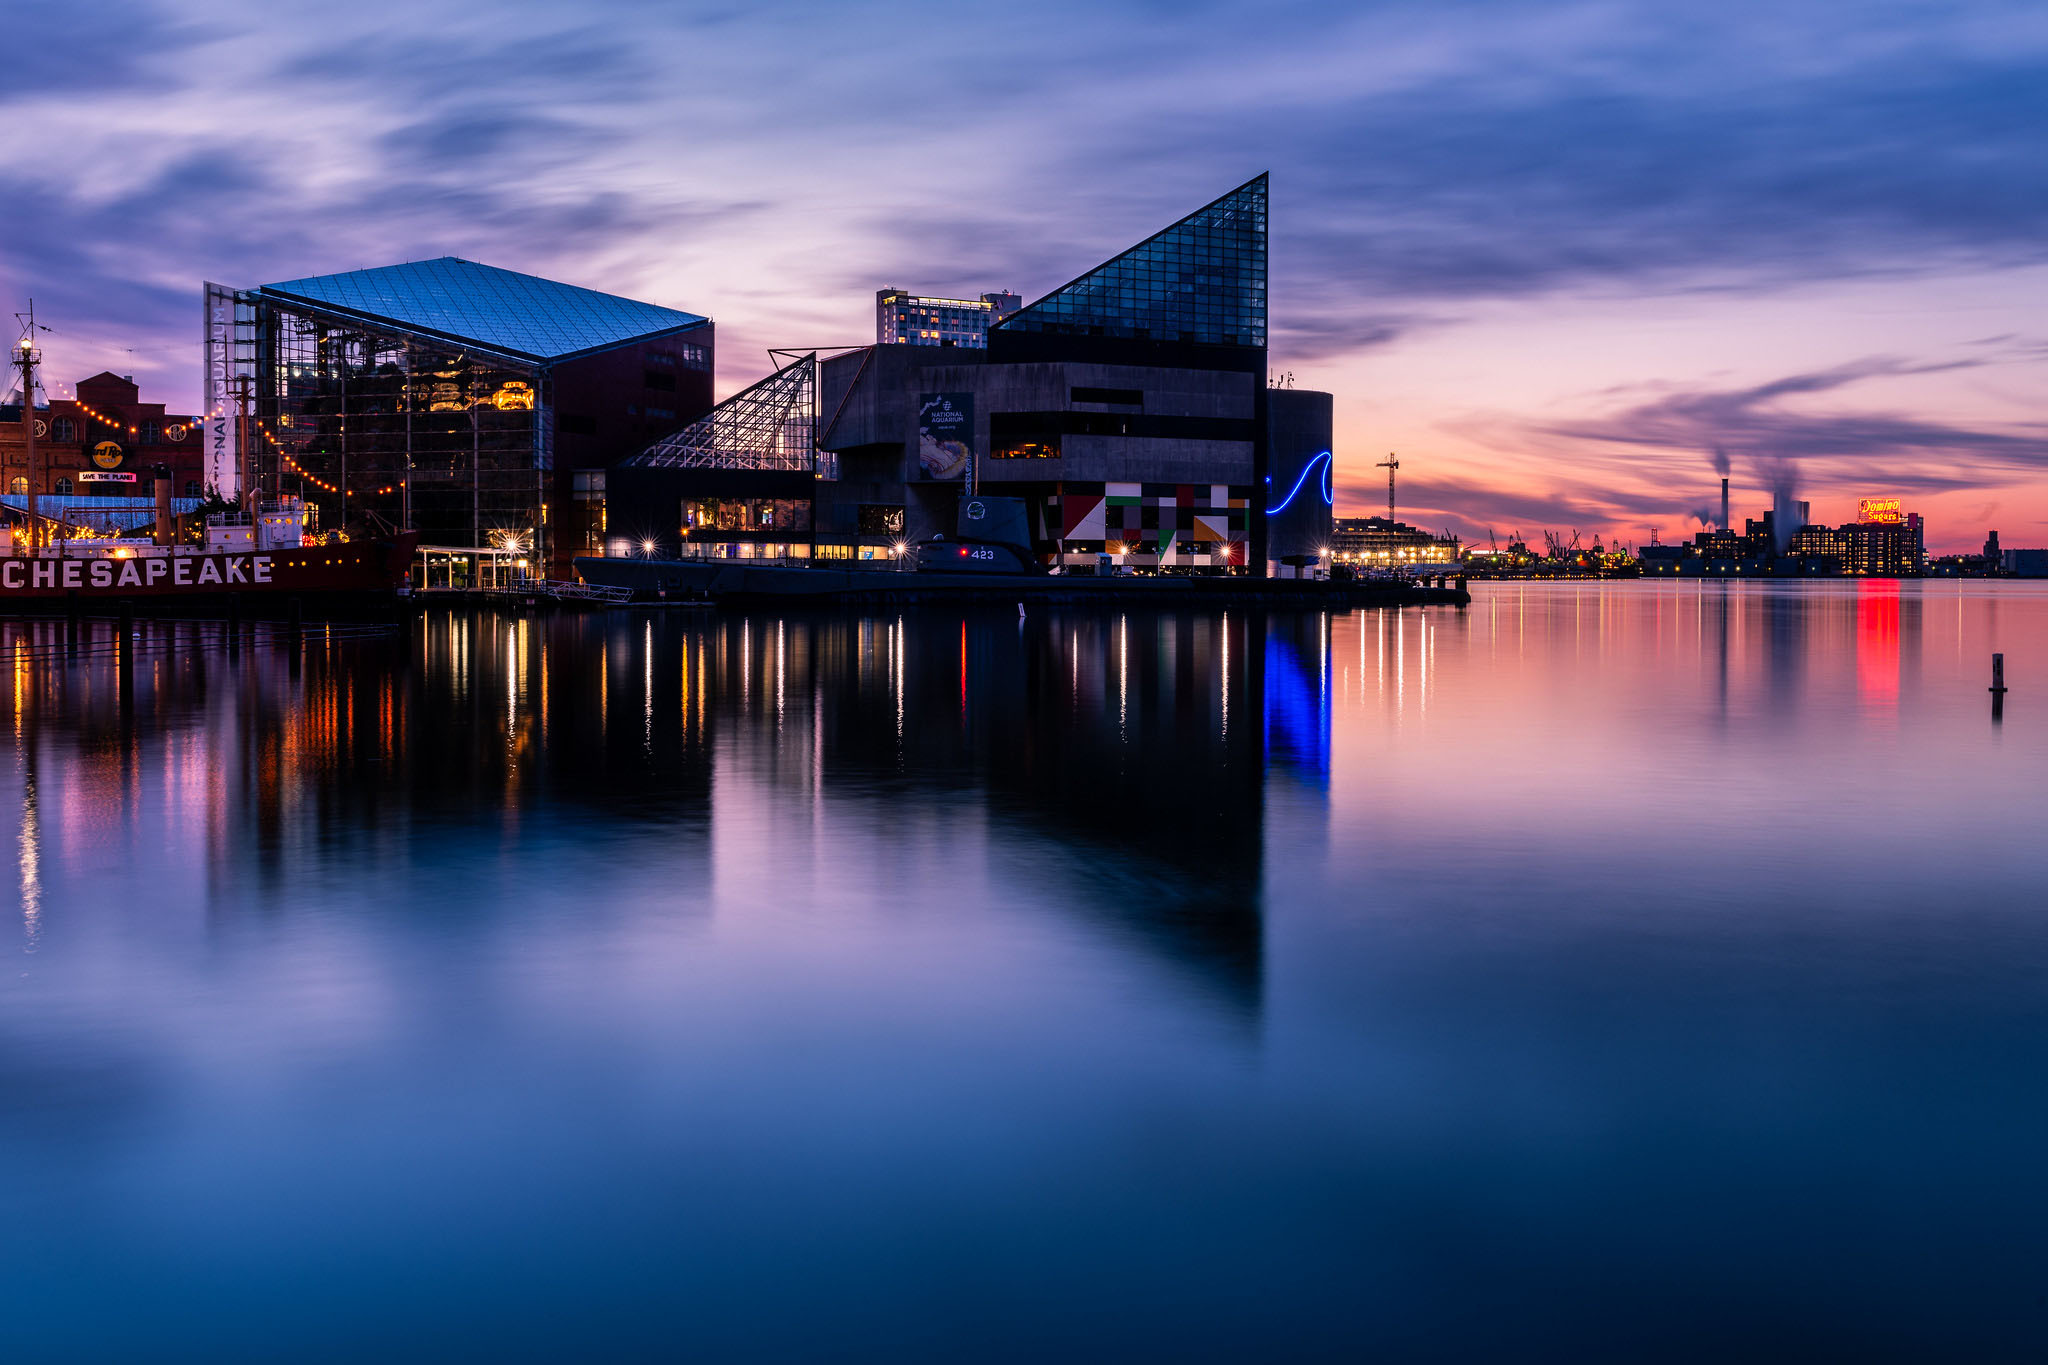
(1328, 491)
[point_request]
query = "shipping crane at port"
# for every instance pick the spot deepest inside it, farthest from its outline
(1390, 464)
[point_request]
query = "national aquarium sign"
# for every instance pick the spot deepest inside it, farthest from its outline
(945, 434)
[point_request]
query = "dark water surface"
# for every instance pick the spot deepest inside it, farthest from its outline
(1629, 971)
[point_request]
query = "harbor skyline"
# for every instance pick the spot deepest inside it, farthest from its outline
(1568, 267)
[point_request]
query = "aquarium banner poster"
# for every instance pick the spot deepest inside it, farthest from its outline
(945, 434)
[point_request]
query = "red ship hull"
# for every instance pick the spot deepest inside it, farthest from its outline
(360, 569)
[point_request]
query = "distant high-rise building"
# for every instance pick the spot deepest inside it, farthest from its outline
(1883, 542)
(906, 319)
(1376, 540)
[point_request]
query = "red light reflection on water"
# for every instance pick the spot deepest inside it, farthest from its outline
(1877, 641)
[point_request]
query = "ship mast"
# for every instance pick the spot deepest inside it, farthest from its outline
(26, 356)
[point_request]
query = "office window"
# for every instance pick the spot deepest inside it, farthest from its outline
(880, 519)
(63, 486)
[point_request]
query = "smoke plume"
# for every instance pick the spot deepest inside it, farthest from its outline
(1781, 476)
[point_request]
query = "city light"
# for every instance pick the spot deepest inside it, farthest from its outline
(647, 548)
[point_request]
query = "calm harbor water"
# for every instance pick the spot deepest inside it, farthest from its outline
(1633, 971)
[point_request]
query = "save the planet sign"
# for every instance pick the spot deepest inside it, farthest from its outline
(945, 434)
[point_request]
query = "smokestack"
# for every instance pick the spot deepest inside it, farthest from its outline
(166, 529)
(1726, 525)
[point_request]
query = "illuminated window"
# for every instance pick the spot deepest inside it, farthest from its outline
(18, 486)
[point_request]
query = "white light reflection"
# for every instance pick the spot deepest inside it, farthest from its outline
(1400, 663)
(1226, 675)
(31, 861)
(1123, 677)
(511, 684)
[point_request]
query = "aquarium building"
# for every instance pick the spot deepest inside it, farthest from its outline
(481, 406)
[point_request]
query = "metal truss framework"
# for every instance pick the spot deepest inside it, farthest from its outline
(772, 424)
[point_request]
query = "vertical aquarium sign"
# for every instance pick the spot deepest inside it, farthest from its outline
(222, 450)
(945, 434)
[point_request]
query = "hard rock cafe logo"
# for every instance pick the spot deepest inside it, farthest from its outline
(107, 454)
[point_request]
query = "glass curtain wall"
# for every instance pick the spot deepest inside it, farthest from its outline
(340, 408)
(1202, 280)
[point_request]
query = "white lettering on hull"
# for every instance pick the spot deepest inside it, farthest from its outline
(166, 573)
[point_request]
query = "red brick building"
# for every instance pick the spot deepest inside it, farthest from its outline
(105, 442)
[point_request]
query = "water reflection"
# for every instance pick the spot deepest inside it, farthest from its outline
(1140, 743)
(690, 985)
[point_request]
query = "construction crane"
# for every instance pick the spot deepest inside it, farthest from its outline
(1390, 464)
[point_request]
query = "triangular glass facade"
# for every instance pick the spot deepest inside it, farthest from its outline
(770, 424)
(1201, 280)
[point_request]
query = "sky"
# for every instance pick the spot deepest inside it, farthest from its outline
(1567, 260)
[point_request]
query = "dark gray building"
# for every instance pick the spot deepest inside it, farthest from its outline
(1128, 408)
(1300, 492)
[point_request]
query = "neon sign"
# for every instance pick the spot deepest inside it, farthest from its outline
(1879, 512)
(1328, 493)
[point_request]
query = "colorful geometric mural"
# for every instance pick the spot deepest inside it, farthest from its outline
(1150, 521)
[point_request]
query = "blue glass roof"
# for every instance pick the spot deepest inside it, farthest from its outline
(1201, 280)
(497, 310)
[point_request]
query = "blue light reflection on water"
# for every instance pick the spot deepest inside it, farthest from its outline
(1639, 970)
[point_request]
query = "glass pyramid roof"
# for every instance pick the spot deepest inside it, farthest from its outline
(496, 310)
(1203, 280)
